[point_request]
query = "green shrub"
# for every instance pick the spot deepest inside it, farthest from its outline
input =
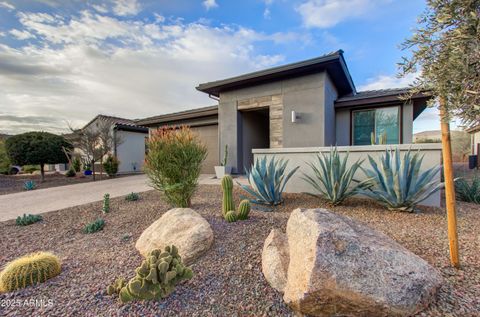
(76, 164)
(70, 173)
(29, 169)
(173, 163)
(132, 197)
(267, 181)
(469, 192)
(28, 270)
(26, 220)
(4, 160)
(111, 166)
(29, 185)
(95, 226)
(397, 183)
(106, 203)
(156, 277)
(332, 179)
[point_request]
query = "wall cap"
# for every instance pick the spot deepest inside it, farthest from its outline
(357, 148)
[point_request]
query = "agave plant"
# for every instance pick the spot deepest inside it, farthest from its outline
(397, 182)
(267, 181)
(468, 192)
(29, 185)
(332, 179)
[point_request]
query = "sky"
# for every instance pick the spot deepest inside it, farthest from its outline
(64, 61)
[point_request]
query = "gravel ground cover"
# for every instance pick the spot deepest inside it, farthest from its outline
(228, 280)
(14, 183)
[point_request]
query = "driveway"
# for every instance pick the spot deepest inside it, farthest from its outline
(55, 198)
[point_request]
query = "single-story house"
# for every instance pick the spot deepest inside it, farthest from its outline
(312, 103)
(130, 150)
(475, 137)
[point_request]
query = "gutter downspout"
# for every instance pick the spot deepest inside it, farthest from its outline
(213, 97)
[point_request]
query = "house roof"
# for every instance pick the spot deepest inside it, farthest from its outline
(473, 129)
(182, 116)
(119, 123)
(369, 97)
(333, 63)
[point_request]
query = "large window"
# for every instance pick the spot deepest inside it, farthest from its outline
(378, 123)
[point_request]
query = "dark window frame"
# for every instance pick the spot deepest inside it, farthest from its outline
(400, 119)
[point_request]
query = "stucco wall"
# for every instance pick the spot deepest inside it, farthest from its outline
(342, 127)
(305, 95)
(300, 157)
(131, 151)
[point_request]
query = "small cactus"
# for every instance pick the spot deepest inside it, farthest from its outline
(155, 278)
(28, 270)
(227, 188)
(26, 220)
(132, 197)
(243, 209)
(231, 216)
(106, 203)
(95, 226)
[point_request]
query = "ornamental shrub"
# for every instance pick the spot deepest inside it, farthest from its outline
(111, 166)
(173, 163)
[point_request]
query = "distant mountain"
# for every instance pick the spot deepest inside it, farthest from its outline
(436, 135)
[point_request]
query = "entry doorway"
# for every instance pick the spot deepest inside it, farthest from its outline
(255, 134)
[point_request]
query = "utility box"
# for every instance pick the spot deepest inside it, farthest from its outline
(472, 161)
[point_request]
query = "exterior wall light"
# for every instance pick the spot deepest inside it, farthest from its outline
(295, 117)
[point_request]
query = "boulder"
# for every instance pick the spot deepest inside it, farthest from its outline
(184, 228)
(275, 259)
(338, 266)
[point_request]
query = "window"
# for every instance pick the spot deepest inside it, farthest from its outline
(379, 122)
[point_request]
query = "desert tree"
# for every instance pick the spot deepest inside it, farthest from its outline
(444, 51)
(37, 148)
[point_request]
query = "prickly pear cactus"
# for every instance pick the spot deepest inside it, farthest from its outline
(28, 270)
(227, 188)
(231, 216)
(155, 278)
(106, 203)
(243, 210)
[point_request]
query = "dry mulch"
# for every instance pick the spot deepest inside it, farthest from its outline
(228, 279)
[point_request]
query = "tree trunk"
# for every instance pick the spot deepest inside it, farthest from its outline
(42, 172)
(93, 170)
(101, 168)
(449, 186)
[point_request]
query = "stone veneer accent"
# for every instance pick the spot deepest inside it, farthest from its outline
(275, 106)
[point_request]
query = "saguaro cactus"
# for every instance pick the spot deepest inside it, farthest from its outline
(227, 188)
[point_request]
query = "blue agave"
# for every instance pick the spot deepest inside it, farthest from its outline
(397, 183)
(29, 185)
(267, 181)
(332, 179)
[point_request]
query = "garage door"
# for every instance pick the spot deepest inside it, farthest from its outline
(209, 137)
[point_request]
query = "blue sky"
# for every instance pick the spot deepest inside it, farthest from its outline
(66, 61)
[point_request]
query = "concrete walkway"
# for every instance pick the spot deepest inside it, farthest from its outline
(55, 198)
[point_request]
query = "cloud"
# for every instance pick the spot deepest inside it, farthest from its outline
(21, 35)
(328, 13)
(388, 81)
(6, 5)
(209, 4)
(100, 8)
(89, 63)
(126, 7)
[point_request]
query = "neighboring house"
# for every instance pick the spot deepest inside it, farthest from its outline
(475, 138)
(131, 149)
(312, 103)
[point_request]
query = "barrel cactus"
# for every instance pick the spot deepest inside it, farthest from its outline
(156, 277)
(227, 188)
(106, 203)
(28, 270)
(231, 216)
(243, 210)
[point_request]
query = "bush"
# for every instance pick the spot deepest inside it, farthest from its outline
(111, 166)
(76, 164)
(95, 226)
(468, 192)
(156, 277)
(26, 220)
(4, 160)
(70, 173)
(29, 169)
(332, 179)
(267, 181)
(28, 270)
(397, 183)
(29, 185)
(132, 197)
(173, 163)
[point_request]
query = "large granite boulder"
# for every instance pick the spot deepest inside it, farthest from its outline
(275, 259)
(184, 228)
(340, 267)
